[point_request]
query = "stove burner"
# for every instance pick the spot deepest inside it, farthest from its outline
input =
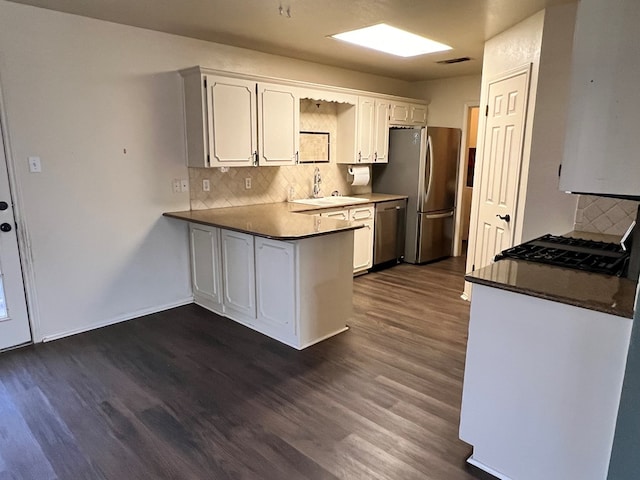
(588, 255)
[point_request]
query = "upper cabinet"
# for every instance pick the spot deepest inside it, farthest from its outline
(238, 123)
(602, 142)
(408, 114)
(372, 129)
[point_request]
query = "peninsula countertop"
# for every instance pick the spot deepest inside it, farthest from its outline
(278, 221)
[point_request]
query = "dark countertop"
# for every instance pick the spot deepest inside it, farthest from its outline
(270, 220)
(593, 291)
(276, 220)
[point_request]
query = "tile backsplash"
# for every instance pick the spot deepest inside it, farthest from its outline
(604, 215)
(272, 184)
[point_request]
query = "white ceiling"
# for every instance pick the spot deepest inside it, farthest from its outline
(258, 25)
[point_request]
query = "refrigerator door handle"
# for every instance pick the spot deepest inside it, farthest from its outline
(439, 215)
(427, 191)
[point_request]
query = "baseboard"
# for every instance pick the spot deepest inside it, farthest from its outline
(487, 470)
(122, 318)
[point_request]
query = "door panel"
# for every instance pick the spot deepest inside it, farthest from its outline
(14, 321)
(441, 169)
(435, 236)
(501, 159)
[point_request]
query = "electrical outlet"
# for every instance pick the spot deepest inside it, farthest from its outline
(176, 185)
(184, 185)
(206, 185)
(247, 183)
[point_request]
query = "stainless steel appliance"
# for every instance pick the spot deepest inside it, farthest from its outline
(423, 164)
(389, 232)
(570, 252)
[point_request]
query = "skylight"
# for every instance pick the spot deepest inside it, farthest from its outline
(388, 39)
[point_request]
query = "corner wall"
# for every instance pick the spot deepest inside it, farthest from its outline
(101, 104)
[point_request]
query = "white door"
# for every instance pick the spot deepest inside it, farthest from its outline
(238, 273)
(500, 170)
(232, 121)
(366, 124)
(206, 265)
(14, 322)
(279, 125)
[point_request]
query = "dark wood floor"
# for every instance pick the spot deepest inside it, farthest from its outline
(185, 394)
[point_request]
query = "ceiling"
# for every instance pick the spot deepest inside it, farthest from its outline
(258, 25)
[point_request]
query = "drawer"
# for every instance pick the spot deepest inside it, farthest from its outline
(337, 214)
(361, 213)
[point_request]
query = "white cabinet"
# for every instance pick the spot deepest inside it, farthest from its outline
(206, 264)
(297, 292)
(279, 124)
(408, 114)
(275, 287)
(373, 131)
(238, 274)
(235, 122)
(362, 237)
(602, 141)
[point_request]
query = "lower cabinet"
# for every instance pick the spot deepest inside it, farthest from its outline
(298, 292)
(362, 237)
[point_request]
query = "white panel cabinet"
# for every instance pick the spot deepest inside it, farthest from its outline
(279, 125)
(235, 122)
(238, 274)
(297, 292)
(276, 287)
(206, 264)
(362, 237)
(373, 131)
(602, 141)
(408, 114)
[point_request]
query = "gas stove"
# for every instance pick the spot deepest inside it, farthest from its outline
(568, 252)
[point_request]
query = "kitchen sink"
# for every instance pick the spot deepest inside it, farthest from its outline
(333, 201)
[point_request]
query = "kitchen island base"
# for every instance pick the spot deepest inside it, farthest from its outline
(298, 292)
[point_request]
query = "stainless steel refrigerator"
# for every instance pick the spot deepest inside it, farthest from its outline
(423, 164)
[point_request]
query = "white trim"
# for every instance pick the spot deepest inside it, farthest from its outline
(462, 176)
(484, 468)
(318, 340)
(22, 233)
(119, 319)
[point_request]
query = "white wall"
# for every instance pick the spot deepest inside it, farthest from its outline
(447, 98)
(544, 41)
(77, 93)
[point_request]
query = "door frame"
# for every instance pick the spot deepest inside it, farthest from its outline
(462, 177)
(24, 250)
(525, 69)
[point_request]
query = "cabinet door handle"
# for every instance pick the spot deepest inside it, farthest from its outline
(359, 157)
(297, 158)
(375, 156)
(255, 158)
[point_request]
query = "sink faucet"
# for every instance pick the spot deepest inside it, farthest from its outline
(317, 180)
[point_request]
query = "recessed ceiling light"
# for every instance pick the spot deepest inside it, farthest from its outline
(388, 39)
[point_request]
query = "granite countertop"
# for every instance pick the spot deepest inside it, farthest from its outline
(271, 220)
(594, 291)
(278, 220)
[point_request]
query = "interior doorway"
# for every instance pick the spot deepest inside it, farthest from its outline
(465, 177)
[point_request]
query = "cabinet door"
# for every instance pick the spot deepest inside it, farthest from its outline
(400, 113)
(232, 121)
(362, 237)
(338, 214)
(419, 114)
(238, 274)
(366, 125)
(279, 125)
(275, 286)
(381, 143)
(205, 265)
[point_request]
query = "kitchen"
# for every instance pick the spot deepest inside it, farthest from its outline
(72, 218)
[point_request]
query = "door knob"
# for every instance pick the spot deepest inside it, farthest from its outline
(4, 205)
(5, 227)
(506, 218)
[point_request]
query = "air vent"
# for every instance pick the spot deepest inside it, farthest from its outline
(454, 60)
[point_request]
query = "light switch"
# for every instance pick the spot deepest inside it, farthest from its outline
(206, 185)
(34, 165)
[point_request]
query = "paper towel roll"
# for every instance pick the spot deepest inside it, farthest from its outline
(360, 175)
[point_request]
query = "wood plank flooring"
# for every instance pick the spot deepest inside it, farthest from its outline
(185, 394)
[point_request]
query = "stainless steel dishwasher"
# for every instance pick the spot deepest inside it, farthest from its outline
(389, 232)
